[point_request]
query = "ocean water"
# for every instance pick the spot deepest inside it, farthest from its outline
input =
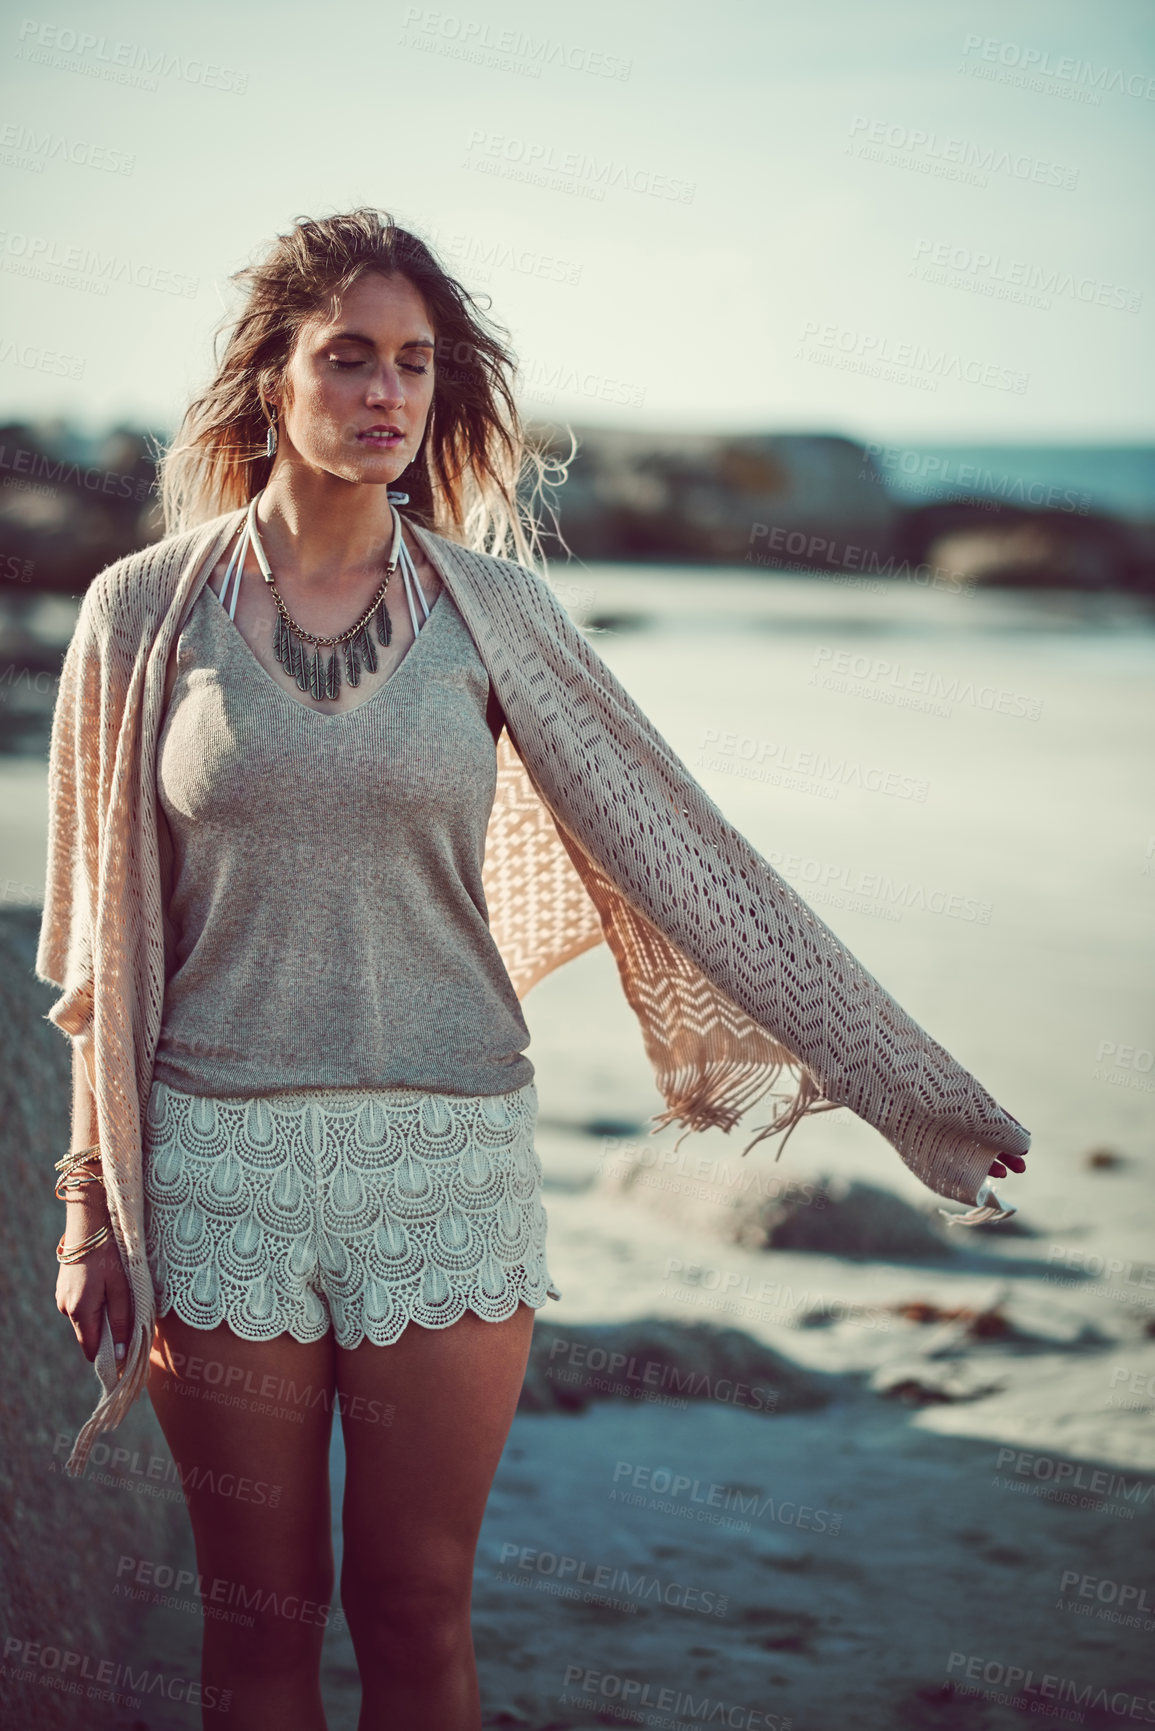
(1118, 479)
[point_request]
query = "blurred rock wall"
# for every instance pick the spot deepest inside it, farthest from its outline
(70, 505)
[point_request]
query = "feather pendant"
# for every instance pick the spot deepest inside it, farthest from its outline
(333, 677)
(300, 665)
(365, 644)
(317, 677)
(384, 623)
(282, 646)
(352, 665)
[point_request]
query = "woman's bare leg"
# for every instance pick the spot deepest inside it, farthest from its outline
(418, 1481)
(248, 1423)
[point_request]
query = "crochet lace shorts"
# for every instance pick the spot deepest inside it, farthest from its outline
(360, 1209)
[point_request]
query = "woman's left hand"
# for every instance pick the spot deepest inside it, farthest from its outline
(1016, 1162)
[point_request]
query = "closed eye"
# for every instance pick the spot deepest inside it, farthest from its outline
(405, 366)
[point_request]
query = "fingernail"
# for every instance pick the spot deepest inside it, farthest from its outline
(120, 1349)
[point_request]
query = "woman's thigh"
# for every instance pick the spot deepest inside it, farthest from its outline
(248, 1424)
(425, 1422)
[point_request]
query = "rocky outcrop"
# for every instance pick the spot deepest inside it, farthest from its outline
(780, 501)
(70, 505)
(786, 502)
(976, 541)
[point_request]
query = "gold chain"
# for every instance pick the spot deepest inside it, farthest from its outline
(353, 631)
(282, 609)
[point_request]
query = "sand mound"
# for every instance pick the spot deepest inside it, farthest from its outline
(764, 1210)
(854, 1219)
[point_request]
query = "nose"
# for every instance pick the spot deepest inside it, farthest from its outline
(385, 389)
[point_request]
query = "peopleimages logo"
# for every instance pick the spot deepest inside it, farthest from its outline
(569, 170)
(804, 771)
(592, 1689)
(1020, 1686)
(1038, 63)
(669, 1492)
(23, 146)
(474, 39)
(1015, 279)
(544, 382)
(54, 472)
(120, 62)
(830, 880)
(216, 1593)
(1110, 1601)
(961, 159)
(644, 1378)
(1071, 1482)
(106, 1679)
(580, 1577)
(927, 473)
(85, 268)
(846, 346)
(876, 676)
(38, 360)
(483, 254)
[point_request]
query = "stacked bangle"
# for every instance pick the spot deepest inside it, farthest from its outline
(75, 1252)
(72, 1177)
(76, 1158)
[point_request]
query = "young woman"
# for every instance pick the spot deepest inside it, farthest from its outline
(340, 1188)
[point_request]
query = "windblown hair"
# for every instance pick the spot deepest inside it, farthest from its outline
(465, 481)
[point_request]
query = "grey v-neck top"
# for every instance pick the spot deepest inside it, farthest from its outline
(327, 923)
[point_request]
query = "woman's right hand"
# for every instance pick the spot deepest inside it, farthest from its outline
(84, 1288)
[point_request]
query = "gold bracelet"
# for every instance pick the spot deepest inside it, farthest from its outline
(76, 1158)
(75, 1252)
(76, 1163)
(79, 1181)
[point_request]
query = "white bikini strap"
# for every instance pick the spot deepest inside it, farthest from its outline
(409, 573)
(236, 566)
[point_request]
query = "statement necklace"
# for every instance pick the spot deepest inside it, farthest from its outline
(310, 674)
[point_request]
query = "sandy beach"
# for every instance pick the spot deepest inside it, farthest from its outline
(943, 1516)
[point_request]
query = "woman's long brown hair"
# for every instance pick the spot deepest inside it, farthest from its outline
(466, 480)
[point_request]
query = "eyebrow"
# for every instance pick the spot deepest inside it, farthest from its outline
(358, 337)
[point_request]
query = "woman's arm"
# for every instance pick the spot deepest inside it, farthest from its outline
(703, 926)
(164, 846)
(84, 1288)
(83, 1107)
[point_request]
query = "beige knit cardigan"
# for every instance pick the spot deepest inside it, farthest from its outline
(598, 831)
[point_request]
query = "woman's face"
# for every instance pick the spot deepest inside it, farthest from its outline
(359, 384)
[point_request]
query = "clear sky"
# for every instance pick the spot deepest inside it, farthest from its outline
(895, 220)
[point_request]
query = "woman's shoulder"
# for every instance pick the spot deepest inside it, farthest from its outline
(517, 580)
(139, 587)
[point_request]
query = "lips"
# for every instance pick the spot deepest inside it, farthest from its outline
(382, 435)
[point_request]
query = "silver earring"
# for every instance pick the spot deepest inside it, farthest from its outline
(271, 438)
